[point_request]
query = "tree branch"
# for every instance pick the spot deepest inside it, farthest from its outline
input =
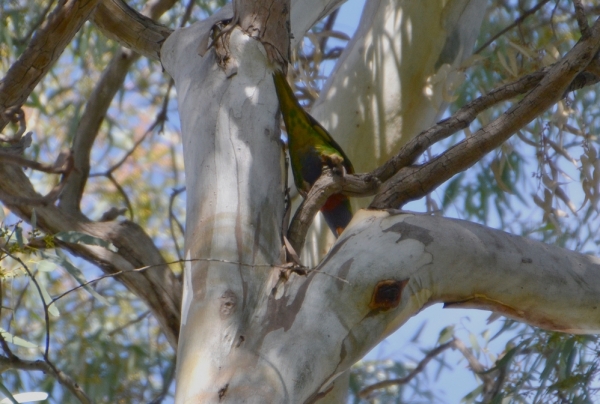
(45, 365)
(44, 49)
(411, 183)
(329, 183)
(391, 265)
(364, 393)
(14, 362)
(518, 21)
(97, 105)
(584, 27)
(131, 29)
(157, 287)
(366, 184)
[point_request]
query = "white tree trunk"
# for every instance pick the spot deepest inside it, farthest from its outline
(393, 80)
(254, 331)
(233, 161)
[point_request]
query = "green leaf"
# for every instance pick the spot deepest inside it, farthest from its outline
(502, 363)
(29, 397)
(46, 266)
(470, 397)
(52, 309)
(76, 237)
(8, 337)
(33, 219)
(446, 334)
(417, 334)
(9, 397)
(61, 259)
(19, 235)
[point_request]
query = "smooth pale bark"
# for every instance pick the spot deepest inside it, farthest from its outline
(235, 194)
(305, 13)
(233, 161)
(387, 266)
(397, 74)
(392, 81)
(256, 332)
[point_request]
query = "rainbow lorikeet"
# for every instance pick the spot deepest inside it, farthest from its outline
(310, 148)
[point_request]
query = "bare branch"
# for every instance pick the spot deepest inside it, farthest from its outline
(517, 22)
(419, 144)
(158, 287)
(491, 385)
(62, 378)
(97, 106)
(14, 362)
(63, 164)
(44, 49)
(131, 29)
(581, 19)
(173, 219)
(460, 120)
(413, 182)
(364, 393)
(91, 119)
(329, 183)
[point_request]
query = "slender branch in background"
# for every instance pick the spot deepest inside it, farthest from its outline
(159, 121)
(364, 393)
(173, 219)
(166, 384)
(517, 22)
(95, 110)
(491, 384)
(44, 49)
(64, 379)
(327, 28)
(186, 15)
(27, 37)
(11, 361)
(136, 320)
(62, 165)
(584, 27)
(39, 289)
(413, 182)
(123, 194)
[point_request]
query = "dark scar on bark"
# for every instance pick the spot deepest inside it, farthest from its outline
(387, 294)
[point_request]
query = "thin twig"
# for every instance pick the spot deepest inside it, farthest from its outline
(413, 182)
(63, 164)
(406, 379)
(328, 27)
(581, 19)
(518, 21)
(129, 323)
(173, 219)
(39, 289)
(121, 190)
(14, 362)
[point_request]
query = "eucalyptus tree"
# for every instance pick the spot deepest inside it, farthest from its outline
(268, 309)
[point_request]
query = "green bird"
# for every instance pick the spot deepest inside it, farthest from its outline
(311, 147)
